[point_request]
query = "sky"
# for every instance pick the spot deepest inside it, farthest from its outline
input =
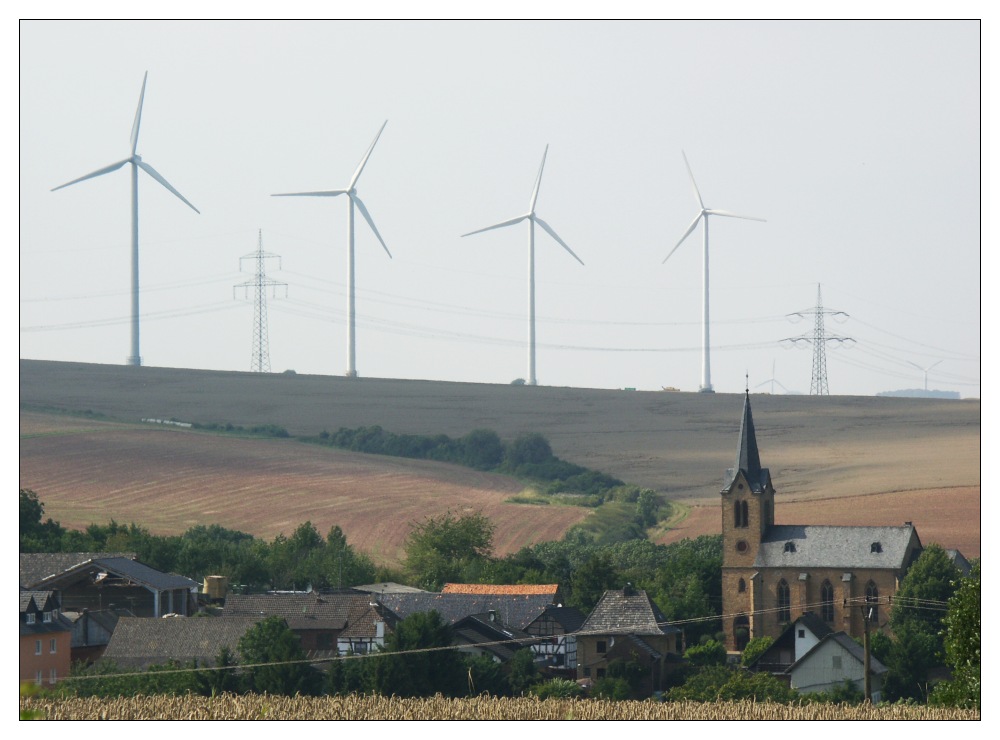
(859, 142)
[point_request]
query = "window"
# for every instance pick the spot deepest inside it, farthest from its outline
(789, 547)
(784, 602)
(871, 601)
(52, 675)
(38, 677)
(602, 646)
(836, 663)
(826, 599)
(742, 546)
(30, 617)
(46, 616)
(745, 511)
(38, 647)
(586, 673)
(802, 633)
(741, 514)
(52, 645)
(876, 547)
(742, 586)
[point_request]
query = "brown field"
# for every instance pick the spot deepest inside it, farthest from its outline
(835, 460)
(254, 707)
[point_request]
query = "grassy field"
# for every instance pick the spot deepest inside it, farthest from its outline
(834, 460)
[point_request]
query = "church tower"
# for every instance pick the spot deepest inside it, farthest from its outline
(747, 513)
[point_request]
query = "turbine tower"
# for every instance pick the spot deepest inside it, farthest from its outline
(818, 386)
(260, 356)
(926, 370)
(135, 160)
(703, 214)
(353, 199)
(532, 219)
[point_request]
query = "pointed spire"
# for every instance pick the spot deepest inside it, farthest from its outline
(747, 455)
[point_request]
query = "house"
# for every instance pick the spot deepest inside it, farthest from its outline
(138, 643)
(772, 574)
(832, 661)
(44, 639)
(626, 625)
(97, 581)
(480, 634)
(795, 641)
(549, 626)
(92, 632)
(325, 623)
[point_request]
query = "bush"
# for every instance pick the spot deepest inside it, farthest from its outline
(557, 688)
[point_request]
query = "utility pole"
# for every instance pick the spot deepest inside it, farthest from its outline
(260, 360)
(866, 615)
(818, 386)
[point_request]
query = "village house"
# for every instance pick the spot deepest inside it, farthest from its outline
(44, 639)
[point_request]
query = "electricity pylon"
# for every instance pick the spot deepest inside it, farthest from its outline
(260, 359)
(818, 386)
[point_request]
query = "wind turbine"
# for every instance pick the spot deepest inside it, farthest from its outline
(136, 161)
(926, 370)
(352, 195)
(533, 219)
(704, 213)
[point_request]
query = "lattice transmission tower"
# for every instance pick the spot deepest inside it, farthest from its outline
(819, 386)
(260, 358)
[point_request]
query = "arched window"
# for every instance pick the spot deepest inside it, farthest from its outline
(742, 586)
(741, 631)
(736, 515)
(741, 514)
(784, 602)
(876, 547)
(789, 546)
(826, 597)
(745, 512)
(871, 601)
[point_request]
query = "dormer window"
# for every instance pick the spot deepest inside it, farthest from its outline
(30, 617)
(46, 616)
(789, 547)
(876, 547)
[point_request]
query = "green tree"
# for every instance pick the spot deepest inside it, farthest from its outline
(411, 666)
(720, 683)
(532, 449)
(223, 679)
(591, 580)
(523, 672)
(924, 591)
(274, 660)
(711, 653)
(647, 507)
(482, 449)
(485, 676)
(34, 534)
(962, 646)
(755, 648)
(612, 689)
(912, 653)
(439, 547)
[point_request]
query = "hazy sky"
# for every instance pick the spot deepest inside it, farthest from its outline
(859, 142)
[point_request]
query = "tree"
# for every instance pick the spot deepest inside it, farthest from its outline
(221, 680)
(284, 670)
(591, 580)
(411, 666)
(755, 648)
(962, 646)
(647, 507)
(482, 449)
(720, 683)
(530, 448)
(711, 653)
(34, 534)
(523, 672)
(437, 548)
(925, 589)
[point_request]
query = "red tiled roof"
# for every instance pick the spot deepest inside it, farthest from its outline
(488, 588)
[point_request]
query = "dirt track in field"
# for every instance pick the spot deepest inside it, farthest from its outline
(822, 452)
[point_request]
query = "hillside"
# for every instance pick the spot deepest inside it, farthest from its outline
(818, 449)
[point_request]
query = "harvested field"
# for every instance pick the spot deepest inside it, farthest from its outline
(949, 517)
(168, 480)
(834, 459)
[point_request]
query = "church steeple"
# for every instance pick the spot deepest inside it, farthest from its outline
(747, 454)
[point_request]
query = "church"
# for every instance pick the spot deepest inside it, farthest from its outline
(774, 573)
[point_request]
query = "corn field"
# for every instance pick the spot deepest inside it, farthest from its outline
(255, 706)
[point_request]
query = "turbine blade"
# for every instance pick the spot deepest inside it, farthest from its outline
(508, 222)
(318, 193)
(364, 160)
(714, 212)
(96, 173)
(368, 218)
(138, 114)
(159, 178)
(538, 181)
(555, 236)
(687, 233)
(697, 195)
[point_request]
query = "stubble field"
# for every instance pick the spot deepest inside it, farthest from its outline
(834, 460)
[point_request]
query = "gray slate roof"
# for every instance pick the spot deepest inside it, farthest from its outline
(516, 611)
(309, 611)
(35, 567)
(627, 612)
(835, 547)
(138, 643)
(71, 566)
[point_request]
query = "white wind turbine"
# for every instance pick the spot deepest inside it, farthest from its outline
(136, 161)
(353, 199)
(532, 218)
(704, 213)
